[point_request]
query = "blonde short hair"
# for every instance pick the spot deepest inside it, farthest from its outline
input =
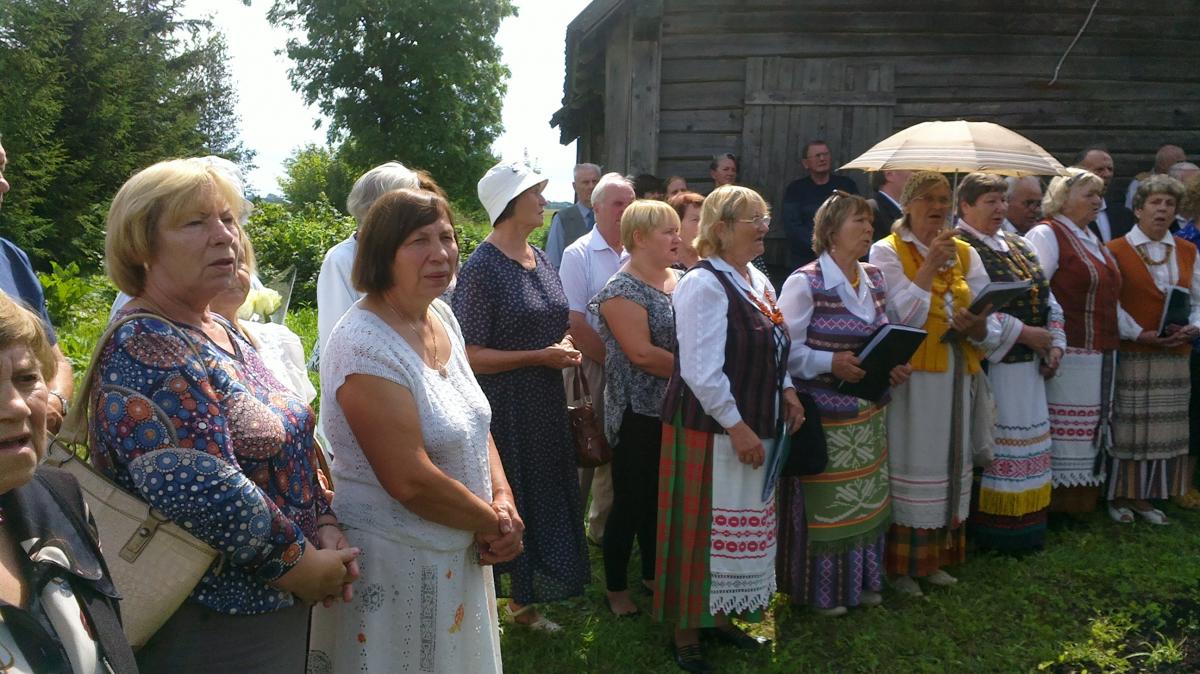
(838, 208)
(726, 204)
(1060, 188)
(21, 327)
(1190, 208)
(157, 194)
(645, 216)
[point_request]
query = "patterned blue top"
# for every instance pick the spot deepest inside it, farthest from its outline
(1189, 232)
(216, 443)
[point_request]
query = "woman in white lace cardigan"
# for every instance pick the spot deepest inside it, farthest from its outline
(417, 475)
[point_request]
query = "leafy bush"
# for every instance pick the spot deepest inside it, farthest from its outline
(78, 305)
(299, 239)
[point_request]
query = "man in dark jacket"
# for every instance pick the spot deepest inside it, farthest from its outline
(887, 185)
(804, 196)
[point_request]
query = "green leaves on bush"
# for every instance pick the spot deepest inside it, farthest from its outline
(299, 239)
(78, 305)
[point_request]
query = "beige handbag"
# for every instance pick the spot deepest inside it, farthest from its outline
(155, 563)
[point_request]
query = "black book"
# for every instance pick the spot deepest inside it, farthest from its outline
(891, 345)
(997, 295)
(1177, 310)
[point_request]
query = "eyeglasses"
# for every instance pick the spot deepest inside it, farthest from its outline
(758, 220)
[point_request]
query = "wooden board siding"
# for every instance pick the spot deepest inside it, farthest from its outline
(1132, 81)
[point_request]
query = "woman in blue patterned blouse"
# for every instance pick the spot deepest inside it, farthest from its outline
(186, 416)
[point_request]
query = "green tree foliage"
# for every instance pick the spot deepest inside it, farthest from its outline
(94, 90)
(418, 81)
(315, 175)
(284, 238)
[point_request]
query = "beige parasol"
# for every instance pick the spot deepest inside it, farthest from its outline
(959, 147)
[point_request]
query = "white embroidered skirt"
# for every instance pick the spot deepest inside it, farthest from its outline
(414, 610)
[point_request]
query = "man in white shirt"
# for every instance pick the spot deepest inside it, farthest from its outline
(587, 264)
(1024, 204)
(571, 223)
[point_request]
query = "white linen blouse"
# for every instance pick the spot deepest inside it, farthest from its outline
(796, 303)
(701, 324)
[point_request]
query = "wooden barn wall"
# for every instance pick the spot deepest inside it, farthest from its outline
(1132, 82)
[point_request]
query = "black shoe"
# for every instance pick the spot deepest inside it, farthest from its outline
(734, 637)
(691, 659)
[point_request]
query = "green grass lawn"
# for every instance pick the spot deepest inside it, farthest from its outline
(1101, 598)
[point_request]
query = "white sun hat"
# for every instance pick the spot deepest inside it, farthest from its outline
(503, 183)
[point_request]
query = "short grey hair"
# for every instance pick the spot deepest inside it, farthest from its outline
(377, 182)
(1178, 168)
(1158, 184)
(1060, 188)
(586, 167)
(1014, 182)
(607, 181)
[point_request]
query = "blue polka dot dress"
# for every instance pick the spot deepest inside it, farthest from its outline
(501, 305)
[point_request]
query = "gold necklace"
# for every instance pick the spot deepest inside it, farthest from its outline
(412, 325)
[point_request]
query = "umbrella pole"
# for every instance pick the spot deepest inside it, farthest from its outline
(954, 203)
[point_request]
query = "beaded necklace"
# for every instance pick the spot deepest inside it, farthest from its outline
(1021, 268)
(1150, 262)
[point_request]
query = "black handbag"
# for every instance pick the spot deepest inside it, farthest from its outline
(809, 454)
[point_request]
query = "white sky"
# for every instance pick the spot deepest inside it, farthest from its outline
(275, 120)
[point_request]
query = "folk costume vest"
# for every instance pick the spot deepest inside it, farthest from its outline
(756, 353)
(1088, 290)
(934, 355)
(1018, 264)
(1140, 295)
(834, 328)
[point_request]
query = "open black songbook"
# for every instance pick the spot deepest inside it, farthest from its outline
(891, 345)
(997, 295)
(1177, 310)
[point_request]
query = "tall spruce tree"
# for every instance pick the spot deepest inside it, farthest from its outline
(94, 90)
(419, 81)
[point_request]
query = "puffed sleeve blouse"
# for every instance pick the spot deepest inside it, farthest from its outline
(214, 441)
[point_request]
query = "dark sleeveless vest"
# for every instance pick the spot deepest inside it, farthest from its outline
(833, 328)
(999, 268)
(754, 363)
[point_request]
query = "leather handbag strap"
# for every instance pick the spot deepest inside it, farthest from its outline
(582, 392)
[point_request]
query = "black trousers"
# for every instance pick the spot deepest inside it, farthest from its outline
(635, 498)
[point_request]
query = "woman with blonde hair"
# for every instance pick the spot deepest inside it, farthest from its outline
(931, 278)
(637, 325)
(185, 415)
(833, 305)
(728, 390)
(1087, 282)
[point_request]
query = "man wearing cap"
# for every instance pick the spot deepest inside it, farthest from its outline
(18, 281)
(586, 267)
(571, 223)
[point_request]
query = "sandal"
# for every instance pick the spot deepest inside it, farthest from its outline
(1121, 515)
(542, 624)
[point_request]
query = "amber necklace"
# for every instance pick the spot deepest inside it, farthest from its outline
(420, 335)
(1019, 266)
(1151, 262)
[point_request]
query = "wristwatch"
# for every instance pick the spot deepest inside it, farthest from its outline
(62, 400)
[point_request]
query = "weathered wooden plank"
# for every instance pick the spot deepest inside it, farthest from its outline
(618, 74)
(644, 105)
(1046, 23)
(1015, 95)
(721, 121)
(702, 95)
(1072, 7)
(753, 124)
(884, 45)
(1065, 114)
(672, 145)
(702, 69)
(825, 98)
